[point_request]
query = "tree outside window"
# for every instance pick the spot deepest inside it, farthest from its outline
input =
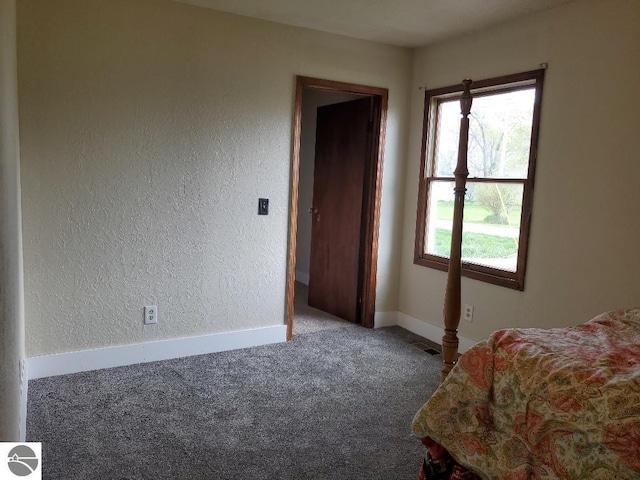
(503, 130)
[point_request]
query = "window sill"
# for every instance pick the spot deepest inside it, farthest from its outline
(494, 276)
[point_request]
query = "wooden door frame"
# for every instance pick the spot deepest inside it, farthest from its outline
(371, 196)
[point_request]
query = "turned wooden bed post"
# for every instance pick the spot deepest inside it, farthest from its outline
(452, 307)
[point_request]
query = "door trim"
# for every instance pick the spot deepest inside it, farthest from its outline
(372, 188)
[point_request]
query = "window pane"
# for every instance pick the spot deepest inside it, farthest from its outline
(448, 133)
(491, 227)
(499, 135)
(439, 217)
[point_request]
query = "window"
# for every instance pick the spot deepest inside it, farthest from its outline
(503, 134)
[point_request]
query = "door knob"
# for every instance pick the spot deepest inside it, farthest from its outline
(313, 210)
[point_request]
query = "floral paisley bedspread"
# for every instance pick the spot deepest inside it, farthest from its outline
(544, 404)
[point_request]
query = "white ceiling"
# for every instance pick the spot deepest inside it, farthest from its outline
(407, 23)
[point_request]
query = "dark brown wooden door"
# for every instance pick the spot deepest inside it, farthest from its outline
(342, 153)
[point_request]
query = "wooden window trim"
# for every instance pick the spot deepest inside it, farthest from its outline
(513, 280)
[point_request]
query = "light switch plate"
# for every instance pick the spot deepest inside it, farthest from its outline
(263, 206)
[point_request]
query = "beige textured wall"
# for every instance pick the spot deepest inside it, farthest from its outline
(311, 100)
(11, 285)
(149, 129)
(583, 253)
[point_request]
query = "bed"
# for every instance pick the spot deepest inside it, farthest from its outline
(532, 403)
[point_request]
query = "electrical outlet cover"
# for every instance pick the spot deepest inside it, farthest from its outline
(150, 314)
(468, 313)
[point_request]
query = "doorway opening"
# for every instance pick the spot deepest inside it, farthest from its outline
(334, 213)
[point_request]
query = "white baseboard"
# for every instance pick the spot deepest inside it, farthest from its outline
(385, 319)
(302, 277)
(433, 333)
(24, 393)
(419, 327)
(82, 361)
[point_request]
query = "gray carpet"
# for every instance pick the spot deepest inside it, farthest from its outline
(307, 319)
(335, 404)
